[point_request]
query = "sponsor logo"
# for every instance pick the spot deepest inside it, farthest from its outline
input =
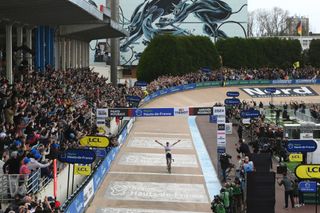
(200, 111)
(81, 156)
(219, 111)
(181, 111)
(295, 157)
(311, 171)
(308, 186)
(94, 141)
(302, 145)
(259, 92)
(118, 112)
(102, 113)
(233, 94)
(82, 170)
(221, 127)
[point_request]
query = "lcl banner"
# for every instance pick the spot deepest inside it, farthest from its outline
(82, 169)
(94, 141)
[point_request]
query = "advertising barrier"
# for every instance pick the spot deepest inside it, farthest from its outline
(233, 94)
(249, 114)
(232, 101)
(308, 186)
(83, 197)
(227, 83)
(308, 171)
(302, 145)
(81, 156)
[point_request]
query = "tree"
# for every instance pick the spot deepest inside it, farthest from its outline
(314, 53)
(268, 22)
(256, 53)
(251, 24)
(176, 55)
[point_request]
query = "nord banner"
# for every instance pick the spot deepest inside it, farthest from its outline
(262, 92)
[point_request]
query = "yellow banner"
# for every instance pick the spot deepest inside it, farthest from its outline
(101, 130)
(295, 157)
(94, 141)
(82, 170)
(311, 171)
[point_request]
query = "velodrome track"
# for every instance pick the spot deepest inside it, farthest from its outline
(138, 180)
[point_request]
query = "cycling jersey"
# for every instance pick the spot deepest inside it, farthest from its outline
(167, 149)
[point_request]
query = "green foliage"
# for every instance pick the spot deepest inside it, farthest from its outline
(314, 53)
(176, 55)
(257, 53)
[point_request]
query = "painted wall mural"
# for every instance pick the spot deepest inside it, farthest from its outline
(145, 19)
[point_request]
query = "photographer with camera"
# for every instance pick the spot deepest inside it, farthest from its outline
(217, 205)
(225, 165)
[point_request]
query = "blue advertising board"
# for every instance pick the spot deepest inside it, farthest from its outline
(100, 153)
(213, 119)
(81, 156)
(133, 98)
(189, 86)
(271, 90)
(77, 204)
(221, 150)
(308, 186)
(140, 84)
(302, 145)
(233, 94)
(232, 101)
(151, 112)
(249, 113)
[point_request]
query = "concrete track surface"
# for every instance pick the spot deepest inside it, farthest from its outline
(138, 181)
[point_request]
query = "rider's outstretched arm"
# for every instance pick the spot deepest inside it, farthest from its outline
(176, 142)
(159, 143)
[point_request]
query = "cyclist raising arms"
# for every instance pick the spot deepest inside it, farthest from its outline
(167, 149)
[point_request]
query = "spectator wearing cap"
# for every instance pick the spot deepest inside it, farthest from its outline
(24, 169)
(17, 144)
(12, 166)
(35, 164)
(54, 151)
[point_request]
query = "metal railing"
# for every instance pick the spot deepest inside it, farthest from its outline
(298, 115)
(12, 184)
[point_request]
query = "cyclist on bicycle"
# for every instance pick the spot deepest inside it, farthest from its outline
(167, 149)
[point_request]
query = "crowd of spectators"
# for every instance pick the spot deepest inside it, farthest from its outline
(44, 113)
(225, 74)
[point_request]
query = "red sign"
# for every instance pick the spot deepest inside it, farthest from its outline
(55, 179)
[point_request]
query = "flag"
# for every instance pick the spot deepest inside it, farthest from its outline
(299, 28)
(296, 64)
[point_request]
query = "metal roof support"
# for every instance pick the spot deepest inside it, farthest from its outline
(80, 53)
(29, 44)
(68, 53)
(19, 54)
(9, 53)
(115, 45)
(63, 54)
(56, 53)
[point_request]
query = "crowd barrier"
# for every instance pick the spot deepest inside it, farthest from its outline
(207, 84)
(83, 196)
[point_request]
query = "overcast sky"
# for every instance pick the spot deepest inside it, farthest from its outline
(308, 8)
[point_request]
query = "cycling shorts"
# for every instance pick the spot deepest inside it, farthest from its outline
(168, 155)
